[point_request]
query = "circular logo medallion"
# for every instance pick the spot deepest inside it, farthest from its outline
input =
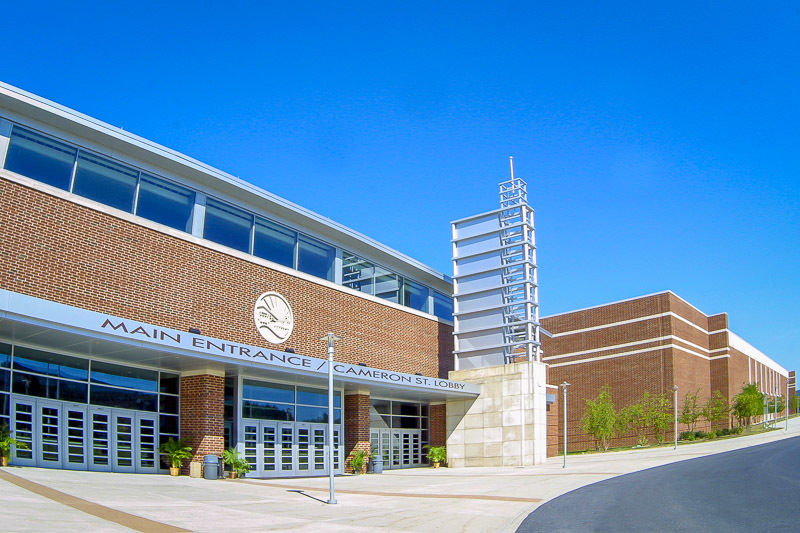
(274, 318)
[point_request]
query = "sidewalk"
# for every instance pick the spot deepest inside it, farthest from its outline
(424, 499)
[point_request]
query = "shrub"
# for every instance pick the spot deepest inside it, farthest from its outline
(737, 430)
(711, 435)
(699, 434)
(724, 431)
(358, 460)
(687, 435)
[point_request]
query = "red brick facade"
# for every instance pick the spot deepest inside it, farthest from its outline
(202, 415)
(646, 344)
(75, 255)
(356, 425)
(438, 424)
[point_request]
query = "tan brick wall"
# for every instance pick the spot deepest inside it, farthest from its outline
(202, 415)
(60, 251)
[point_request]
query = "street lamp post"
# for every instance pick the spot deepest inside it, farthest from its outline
(330, 338)
(564, 386)
(675, 408)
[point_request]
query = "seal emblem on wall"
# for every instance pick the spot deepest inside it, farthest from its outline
(274, 317)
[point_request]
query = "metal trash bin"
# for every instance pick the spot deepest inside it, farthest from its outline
(377, 465)
(211, 467)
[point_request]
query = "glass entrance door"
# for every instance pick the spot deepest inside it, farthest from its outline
(76, 436)
(400, 448)
(275, 448)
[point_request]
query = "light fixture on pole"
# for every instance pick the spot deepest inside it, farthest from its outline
(564, 386)
(330, 338)
(675, 408)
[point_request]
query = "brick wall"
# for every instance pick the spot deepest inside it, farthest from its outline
(438, 424)
(356, 425)
(63, 252)
(202, 415)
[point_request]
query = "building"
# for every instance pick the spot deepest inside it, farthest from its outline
(650, 343)
(145, 295)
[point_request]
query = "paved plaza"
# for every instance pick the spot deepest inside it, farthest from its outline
(423, 499)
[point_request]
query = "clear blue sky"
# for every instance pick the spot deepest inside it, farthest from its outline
(660, 144)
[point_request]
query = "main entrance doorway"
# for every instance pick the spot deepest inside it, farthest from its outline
(84, 437)
(400, 448)
(274, 448)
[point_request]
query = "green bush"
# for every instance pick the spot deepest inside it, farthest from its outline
(687, 435)
(711, 435)
(737, 430)
(724, 431)
(699, 434)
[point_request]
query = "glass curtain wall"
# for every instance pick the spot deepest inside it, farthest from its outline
(45, 374)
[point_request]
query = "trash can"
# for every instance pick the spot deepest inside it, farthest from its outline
(211, 467)
(377, 465)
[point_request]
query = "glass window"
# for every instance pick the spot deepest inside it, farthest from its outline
(381, 406)
(168, 424)
(5, 380)
(124, 376)
(442, 306)
(357, 273)
(4, 410)
(169, 383)
(270, 392)
(5, 355)
(48, 387)
(227, 225)
(52, 364)
(315, 258)
(168, 404)
(267, 411)
(387, 285)
(415, 296)
(317, 414)
(311, 396)
(403, 408)
(165, 203)
(274, 242)
(126, 399)
(40, 158)
(405, 422)
(105, 181)
(70, 391)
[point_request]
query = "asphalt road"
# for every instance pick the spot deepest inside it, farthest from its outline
(752, 489)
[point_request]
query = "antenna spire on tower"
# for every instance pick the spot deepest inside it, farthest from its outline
(511, 163)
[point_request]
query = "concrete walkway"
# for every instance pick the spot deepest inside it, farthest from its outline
(467, 499)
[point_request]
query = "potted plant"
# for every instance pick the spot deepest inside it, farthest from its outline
(178, 452)
(6, 442)
(232, 458)
(437, 455)
(358, 461)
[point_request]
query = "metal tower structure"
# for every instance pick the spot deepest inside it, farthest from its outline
(496, 295)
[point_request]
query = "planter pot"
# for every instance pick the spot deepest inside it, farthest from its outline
(436, 464)
(174, 471)
(232, 475)
(4, 461)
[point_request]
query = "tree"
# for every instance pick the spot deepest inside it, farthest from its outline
(691, 410)
(748, 403)
(656, 410)
(600, 418)
(716, 408)
(635, 418)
